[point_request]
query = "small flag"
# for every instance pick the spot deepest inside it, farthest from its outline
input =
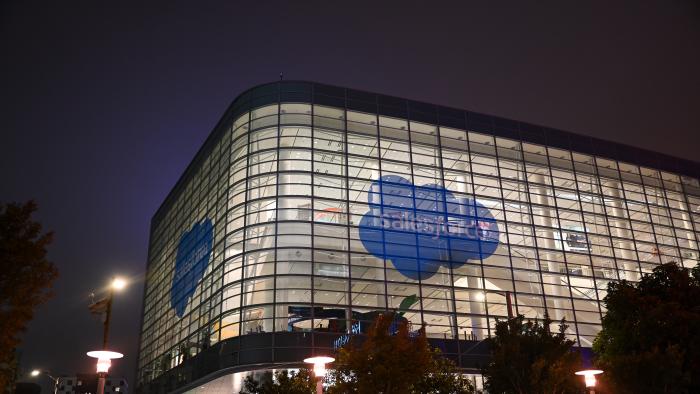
(99, 307)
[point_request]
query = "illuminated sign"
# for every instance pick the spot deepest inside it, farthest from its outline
(344, 339)
(191, 261)
(420, 228)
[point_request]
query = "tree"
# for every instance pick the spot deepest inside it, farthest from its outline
(528, 358)
(26, 277)
(443, 377)
(393, 360)
(301, 382)
(650, 339)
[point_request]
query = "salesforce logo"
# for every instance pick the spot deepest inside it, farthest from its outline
(193, 253)
(419, 228)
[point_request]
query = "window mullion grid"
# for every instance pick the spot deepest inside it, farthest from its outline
(482, 278)
(450, 268)
(565, 254)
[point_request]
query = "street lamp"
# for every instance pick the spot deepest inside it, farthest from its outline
(319, 363)
(104, 361)
(37, 372)
(118, 283)
(589, 378)
(105, 306)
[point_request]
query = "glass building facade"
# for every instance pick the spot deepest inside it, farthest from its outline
(311, 208)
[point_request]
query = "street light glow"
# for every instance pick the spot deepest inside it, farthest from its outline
(104, 359)
(35, 372)
(103, 365)
(118, 283)
(589, 376)
(319, 363)
(104, 354)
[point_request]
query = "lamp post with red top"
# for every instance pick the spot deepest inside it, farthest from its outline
(104, 357)
(319, 363)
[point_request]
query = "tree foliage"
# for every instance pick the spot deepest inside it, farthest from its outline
(25, 278)
(650, 340)
(393, 360)
(443, 377)
(301, 382)
(528, 358)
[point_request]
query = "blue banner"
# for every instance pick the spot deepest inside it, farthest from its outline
(420, 228)
(192, 260)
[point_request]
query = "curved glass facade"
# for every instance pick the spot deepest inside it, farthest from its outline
(310, 208)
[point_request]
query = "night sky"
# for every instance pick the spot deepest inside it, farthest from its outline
(104, 104)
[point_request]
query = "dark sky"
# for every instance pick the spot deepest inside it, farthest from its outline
(103, 105)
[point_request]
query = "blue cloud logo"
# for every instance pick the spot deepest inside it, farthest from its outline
(419, 228)
(192, 259)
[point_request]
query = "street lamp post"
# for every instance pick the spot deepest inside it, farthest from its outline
(37, 372)
(117, 284)
(319, 363)
(589, 378)
(104, 361)
(105, 356)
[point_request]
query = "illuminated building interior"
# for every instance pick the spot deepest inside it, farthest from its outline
(312, 208)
